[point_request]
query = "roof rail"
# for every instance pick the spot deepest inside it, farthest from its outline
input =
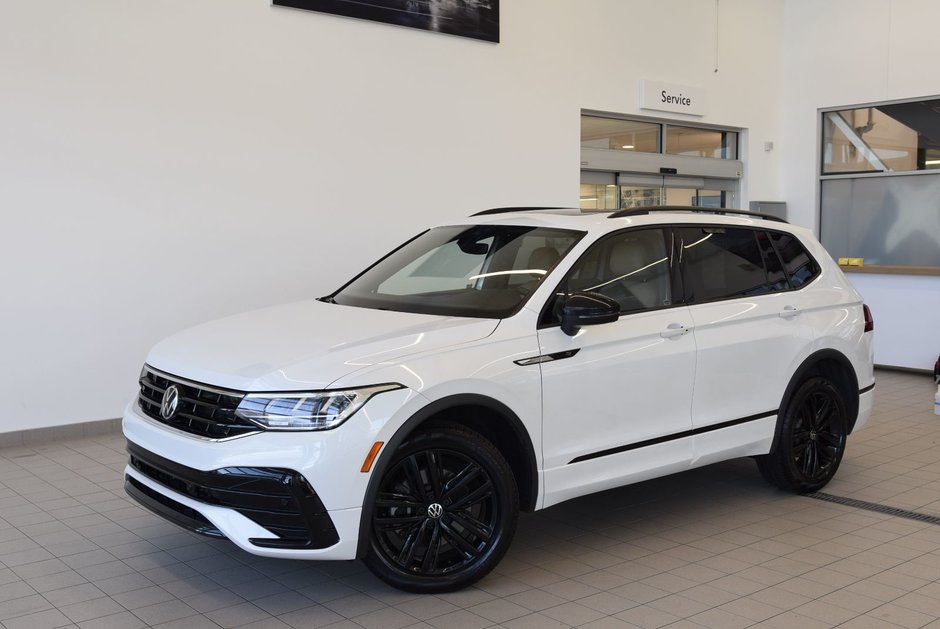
(505, 210)
(636, 211)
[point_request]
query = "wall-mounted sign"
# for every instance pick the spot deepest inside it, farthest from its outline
(681, 99)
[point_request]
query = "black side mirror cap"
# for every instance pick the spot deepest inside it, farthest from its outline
(587, 309)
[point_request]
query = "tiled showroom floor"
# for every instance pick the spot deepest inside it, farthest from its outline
(715, 547)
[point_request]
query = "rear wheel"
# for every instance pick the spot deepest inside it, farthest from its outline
(444, 514)
(812, 438)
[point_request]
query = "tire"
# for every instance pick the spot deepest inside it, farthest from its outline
(444, 514)
(812, 439)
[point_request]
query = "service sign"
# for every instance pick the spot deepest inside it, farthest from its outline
(680, 99)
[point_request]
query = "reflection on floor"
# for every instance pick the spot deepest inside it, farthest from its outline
(715, 547)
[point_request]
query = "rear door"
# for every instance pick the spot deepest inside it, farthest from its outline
(748, 330)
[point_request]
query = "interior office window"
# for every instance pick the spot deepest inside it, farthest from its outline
(619, 134)
(631, 267)
(721, 263)
(890, 137)
(701, 142)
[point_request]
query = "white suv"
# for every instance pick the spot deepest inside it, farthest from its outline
(513, 361)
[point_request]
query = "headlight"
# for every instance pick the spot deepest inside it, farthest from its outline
(314, 410)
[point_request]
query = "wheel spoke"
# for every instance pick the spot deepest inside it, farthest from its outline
(800, 437)
(436, 473)
(468, 522)
(806, 417)
(454, 539)
(460, 480)
(401, 501)
(414, 477)
(823, 416)
(431, 554)
(482, 492)
(813, 461)
(410, 545)
(395, 523)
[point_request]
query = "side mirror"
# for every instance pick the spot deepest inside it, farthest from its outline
(587, 309)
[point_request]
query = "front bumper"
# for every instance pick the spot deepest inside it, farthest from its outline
(299, 496)
(279, 500)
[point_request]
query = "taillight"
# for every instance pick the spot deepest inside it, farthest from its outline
(869, 321)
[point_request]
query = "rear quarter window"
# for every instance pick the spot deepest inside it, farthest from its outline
(799, 264)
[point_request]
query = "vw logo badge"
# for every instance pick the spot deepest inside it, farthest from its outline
(435, 511)
(171, 400)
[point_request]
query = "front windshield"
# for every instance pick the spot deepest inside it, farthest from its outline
(466, 271)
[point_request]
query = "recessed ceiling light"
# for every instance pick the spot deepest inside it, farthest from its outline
(627, 146)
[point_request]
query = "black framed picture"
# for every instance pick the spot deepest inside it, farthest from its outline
(478, 19)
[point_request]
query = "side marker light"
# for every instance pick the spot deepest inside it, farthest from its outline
(370, 458)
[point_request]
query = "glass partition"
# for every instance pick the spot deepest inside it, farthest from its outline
(885, 220)
(600, 197)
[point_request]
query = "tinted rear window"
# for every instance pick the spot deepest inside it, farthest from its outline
(723, 262)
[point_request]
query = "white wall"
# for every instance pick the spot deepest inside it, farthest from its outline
(846, 52)
(164, 163)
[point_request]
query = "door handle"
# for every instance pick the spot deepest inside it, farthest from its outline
(673, 330)
(789, 312)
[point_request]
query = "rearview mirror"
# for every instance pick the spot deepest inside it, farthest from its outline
(587, 309)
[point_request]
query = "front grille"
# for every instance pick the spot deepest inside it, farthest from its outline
(203, 410)
(280, 500)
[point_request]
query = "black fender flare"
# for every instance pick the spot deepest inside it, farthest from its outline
(412, 423)
(800, 374)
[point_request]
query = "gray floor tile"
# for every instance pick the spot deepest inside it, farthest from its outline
(74, 549)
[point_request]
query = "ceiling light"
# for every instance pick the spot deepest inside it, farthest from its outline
(932, 162)
(611, 185)
(627, 146)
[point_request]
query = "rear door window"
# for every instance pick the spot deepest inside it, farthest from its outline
(723, 263)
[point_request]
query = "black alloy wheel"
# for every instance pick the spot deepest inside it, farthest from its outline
(812, 438)
(444, 514)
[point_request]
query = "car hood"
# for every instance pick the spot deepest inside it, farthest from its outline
(305, 345)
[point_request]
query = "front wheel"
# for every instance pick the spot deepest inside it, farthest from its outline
(444, 514)
(812, 438)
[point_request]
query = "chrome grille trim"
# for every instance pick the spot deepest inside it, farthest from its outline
(205, 411)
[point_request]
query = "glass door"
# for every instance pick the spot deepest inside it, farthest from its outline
(636, 191)
(704, 196)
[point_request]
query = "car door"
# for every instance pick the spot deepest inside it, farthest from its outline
(616, 397)
(748, 331)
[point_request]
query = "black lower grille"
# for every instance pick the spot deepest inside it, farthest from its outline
(280, 500)
(170, 509)
(202, 410)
